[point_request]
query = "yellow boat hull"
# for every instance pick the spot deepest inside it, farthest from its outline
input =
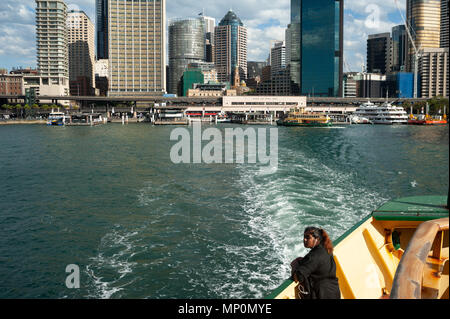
(368, 257)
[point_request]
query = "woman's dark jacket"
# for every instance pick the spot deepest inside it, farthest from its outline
(317, 272)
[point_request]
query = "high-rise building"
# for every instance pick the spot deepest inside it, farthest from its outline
(81, 53)
(136, 42)
(210, 24)
(399, 48)
(444, 23)
(230, 51)
(370, 85)
(350, 87)
(434, 72)
(278, 57)
(52, 45)
(320, 42)
(186, 45)
(101, 8)
(423, 19)
(293, 43)
(379, 53)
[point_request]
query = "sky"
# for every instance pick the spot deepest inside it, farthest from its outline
(266, 21)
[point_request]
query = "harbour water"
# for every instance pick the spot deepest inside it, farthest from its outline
(109, 199)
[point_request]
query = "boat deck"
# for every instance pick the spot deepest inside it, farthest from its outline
(368, 255)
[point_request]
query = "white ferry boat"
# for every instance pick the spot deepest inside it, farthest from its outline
(56, 118)
(383, 114)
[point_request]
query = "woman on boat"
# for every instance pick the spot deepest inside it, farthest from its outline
(316, 272)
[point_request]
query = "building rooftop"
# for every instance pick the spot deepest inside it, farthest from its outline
(230, 18)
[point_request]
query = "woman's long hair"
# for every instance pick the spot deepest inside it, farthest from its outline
(323, 237)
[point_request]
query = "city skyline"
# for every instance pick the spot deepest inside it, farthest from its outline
(265, 21)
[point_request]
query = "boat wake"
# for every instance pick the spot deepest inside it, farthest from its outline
(303, 192)
(109, 271)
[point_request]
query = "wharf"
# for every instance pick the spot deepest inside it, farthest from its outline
(83, 124)
(85, 119)
(185, 122)
(256, 122)
(129, 120)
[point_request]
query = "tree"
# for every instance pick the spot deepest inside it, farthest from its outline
(417, 107)
(438, 104)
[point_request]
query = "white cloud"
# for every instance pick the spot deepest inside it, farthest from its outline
(17, 45)
(366, 6)
(366, 17)
(17, 32)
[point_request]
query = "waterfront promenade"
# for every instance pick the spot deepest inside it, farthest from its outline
(13, 122)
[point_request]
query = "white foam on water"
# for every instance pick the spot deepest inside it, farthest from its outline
(109, 268)
(277, 209)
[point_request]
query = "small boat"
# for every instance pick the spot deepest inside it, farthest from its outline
(359, 120)
(223, 118)
(56, 119)
(399, 251)
(422, 119)
(299, 117)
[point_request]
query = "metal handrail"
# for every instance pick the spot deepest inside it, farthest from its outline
(408, 278)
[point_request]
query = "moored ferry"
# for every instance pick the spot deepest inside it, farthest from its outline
(56, 118)
(400, 251)
(383, 114)
(299, 117)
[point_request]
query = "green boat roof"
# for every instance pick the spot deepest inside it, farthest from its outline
(416, 208)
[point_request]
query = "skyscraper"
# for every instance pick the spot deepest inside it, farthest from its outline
(52, 45)
(434, 72)
(101, 8)
(320, 45)
(81, 53)
(278, 57)
(230, 50)
(399, 48)
(293, 44)
(423, 19)
(379, 53)
(136, 42)
(444, 23)
(210, 24)
(186, 45)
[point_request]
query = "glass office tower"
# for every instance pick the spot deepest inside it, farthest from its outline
(186, 45)
(399, 48)
(444, 24)
(293, 44)
(321, 45)
(101, 7)
(424, 20)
